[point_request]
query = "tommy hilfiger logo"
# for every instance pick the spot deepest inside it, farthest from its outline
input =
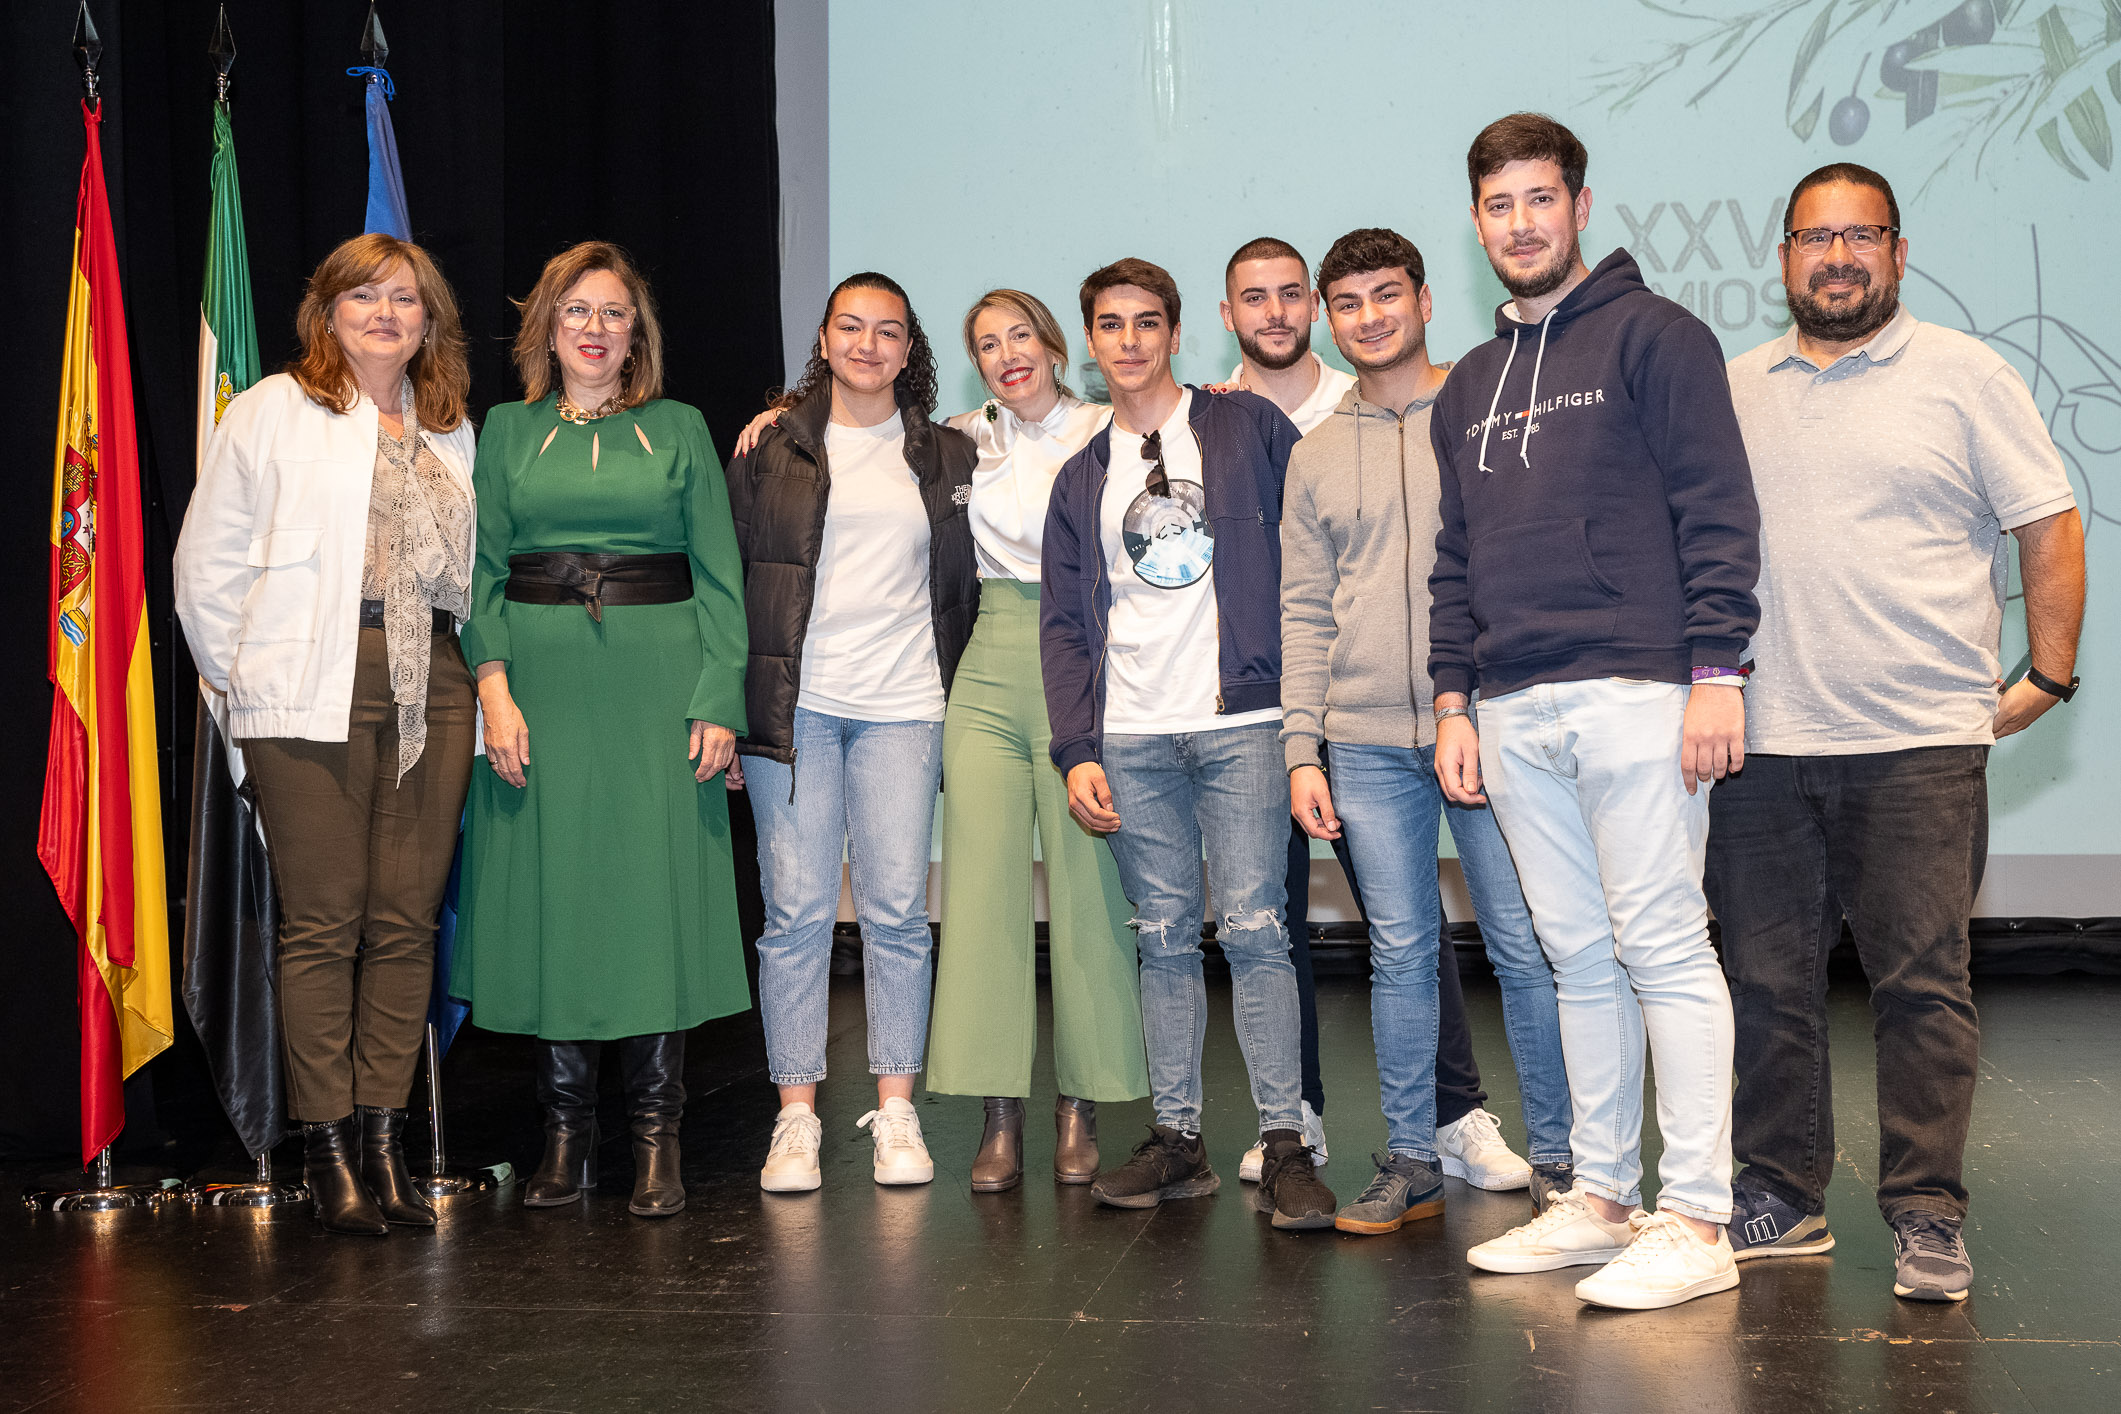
(1585, 398)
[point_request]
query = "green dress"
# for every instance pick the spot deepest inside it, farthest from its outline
(599, 900)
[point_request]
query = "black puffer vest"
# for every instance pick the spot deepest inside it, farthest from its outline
(778, 492)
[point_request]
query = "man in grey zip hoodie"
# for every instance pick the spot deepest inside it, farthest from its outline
(1359, 522)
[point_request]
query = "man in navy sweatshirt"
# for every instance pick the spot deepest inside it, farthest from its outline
(1160, 646)
(1594, 580)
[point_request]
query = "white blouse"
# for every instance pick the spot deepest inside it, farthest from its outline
(1018, 461)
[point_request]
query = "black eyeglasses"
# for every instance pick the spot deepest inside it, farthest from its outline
(1861, 240)
(1153, 451)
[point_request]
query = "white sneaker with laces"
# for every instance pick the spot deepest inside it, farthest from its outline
(791, 1159)
(1472, 1148)
(1568, 1234)
(901, 1153)
(1248, 1167)
(1666, 1264)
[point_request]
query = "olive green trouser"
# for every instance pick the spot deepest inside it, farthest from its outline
(998, 781)
(361, 859)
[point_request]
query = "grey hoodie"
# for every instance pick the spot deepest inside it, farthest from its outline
(1358, 539)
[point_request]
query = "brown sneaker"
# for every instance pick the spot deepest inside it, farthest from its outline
(1289, 1187)
(1168, 1164)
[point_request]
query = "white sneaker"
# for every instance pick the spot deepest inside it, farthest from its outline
(1569, 1234)
(901, 1154)
(1666, 1264)
(1472, 1148)
(1248, 1167)
(791, 1159)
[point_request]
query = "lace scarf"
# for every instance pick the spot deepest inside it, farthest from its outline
(424, 570)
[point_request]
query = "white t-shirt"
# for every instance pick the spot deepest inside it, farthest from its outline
(870, 651)
(1018, 461)
(1325, 394)
(1162, 656)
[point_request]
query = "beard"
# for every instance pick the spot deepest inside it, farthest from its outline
(1543, 279)
(1852, 319)
(1275, 363)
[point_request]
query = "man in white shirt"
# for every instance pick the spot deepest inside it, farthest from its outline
(1894, 462)
(1160, 646)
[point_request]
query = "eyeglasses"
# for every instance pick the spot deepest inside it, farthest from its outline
(1153, 451)
(576, 314)
(1860, 240)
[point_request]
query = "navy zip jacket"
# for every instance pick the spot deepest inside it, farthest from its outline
(1598, 509)
(1244, 453)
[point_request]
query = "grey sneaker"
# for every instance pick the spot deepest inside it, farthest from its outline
(1929, 1258)
(1405, 1188)
(1550, 1181)
(1762, 1225)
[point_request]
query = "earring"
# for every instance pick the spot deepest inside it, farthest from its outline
(627, 366)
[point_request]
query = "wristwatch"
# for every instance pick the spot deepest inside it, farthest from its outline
(2048, 685)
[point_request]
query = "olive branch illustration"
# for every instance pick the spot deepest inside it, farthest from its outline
(1983, 71)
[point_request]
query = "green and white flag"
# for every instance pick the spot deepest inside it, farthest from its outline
(228, 335)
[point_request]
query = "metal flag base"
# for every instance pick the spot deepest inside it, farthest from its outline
(439, 1182)
(106, 1196)
(260, 1192)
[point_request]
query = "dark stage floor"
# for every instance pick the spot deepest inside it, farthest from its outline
(858, 1298)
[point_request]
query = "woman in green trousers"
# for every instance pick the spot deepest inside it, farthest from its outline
(998, 783)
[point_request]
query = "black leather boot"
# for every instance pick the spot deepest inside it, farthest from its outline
(655, 1105)
(383, 1168)
(331, 1157)
(567, 1088)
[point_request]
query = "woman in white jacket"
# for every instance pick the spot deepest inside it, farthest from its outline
(323, 568)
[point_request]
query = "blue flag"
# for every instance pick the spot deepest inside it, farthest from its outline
(386, 187)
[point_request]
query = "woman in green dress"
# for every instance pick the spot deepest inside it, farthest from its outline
(599, 902)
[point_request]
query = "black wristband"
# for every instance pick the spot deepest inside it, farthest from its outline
(2049, 686)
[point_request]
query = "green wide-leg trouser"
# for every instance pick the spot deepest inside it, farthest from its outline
(998, 780)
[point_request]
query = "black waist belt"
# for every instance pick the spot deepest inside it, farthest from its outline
(563, 577)
(372, 617)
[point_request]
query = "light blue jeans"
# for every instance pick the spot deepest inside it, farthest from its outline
(870, 786)
(1226, 790)
(1584, 778)
(1389, 804)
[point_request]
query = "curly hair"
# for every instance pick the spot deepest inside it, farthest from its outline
(915, 385)
(440, 372)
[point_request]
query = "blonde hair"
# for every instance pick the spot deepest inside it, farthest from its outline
(538, 366)
(441, 377)
(1044, 327)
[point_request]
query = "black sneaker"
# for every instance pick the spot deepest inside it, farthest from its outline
(1288, 1183)
(1168, 1164)
(1929, 1258)
(1550, 1181)
(1762, 1225)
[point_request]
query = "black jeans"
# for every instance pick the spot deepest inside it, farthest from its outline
(1458, 1091)
(1896, 842)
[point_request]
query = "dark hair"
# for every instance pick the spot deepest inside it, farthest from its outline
(1138, 273)
(536, 363)
(1262, 248)
(915, 384)
(1526, 137)
(1371, 248)
(1856, 176)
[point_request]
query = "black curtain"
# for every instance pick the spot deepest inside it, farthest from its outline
(522, 127)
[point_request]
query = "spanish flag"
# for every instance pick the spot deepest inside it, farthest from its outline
(100, 833)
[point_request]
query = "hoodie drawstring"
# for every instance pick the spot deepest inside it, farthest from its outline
(1488, 423)
(1358, 460)
(1524, 443)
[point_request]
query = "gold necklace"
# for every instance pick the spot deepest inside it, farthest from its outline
(570, 413)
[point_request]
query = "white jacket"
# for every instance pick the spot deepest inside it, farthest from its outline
(268, 569)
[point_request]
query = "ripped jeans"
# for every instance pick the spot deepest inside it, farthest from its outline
(1228, 791)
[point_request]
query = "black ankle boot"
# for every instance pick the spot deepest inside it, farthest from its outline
(655, 1105)
(331, 1167)
(567, 1088)
(383, 1168)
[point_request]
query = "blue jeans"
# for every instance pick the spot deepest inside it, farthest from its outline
(871, 786)
(1389, 805)
(1228, 790)
(1584, 778)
